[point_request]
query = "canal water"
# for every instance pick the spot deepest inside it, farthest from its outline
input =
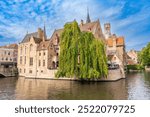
(135, 86)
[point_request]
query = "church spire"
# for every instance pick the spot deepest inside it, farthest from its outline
(44, 33)
(88, 20)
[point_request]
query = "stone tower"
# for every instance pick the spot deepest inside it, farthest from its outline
(107, 30)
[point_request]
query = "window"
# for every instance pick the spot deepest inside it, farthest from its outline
(15, 59)
(21, 60)
(6, 59)
(57, 63)
(44, 53)
(20, 70)
(24, 70)
(5, 52)
(25, 60)
(8, 53)
(31, 61)
(39, 53)
(43, 62)
(10, 59)
(31, 47)
(39, 63)
(21, 50)
(41, 71)
(25, 49)
(30, 71)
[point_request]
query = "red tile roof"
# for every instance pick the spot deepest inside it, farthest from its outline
(119, 41)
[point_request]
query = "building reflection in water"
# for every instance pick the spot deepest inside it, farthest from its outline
(59, 89)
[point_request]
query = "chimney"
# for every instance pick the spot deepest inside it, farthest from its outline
(82, 22)
(40, 33)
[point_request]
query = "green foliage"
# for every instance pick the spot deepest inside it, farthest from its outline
(144, 56)
(81, 55)
(135, 67)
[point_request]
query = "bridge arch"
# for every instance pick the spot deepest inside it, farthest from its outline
(2, 75)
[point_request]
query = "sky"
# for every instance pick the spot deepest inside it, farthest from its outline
(128, 18)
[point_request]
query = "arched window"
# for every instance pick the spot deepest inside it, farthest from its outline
(43, 62)
(31, 47)
(25, 49)
(39, 63)
(53, 65)
(21, 50)
(57, 63)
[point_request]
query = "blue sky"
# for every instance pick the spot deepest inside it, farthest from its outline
(128, 18)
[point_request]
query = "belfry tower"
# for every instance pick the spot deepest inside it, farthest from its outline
(107, 30)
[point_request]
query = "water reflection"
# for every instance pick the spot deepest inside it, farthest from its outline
(139, 85)
(54, 89)
(136, 86)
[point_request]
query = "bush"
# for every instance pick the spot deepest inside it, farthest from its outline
(135, 67)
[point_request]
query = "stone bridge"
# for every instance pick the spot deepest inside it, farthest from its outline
(7, 72)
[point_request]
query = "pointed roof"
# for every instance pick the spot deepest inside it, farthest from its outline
(27, 37)
(88, 20)
(87, 27)
(44, 36)
(43, 45)
(119, 41)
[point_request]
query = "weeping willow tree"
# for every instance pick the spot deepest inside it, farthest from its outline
(81, 55)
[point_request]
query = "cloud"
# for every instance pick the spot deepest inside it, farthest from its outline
(19, 16)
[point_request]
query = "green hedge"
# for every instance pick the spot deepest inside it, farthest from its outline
(135, 67)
